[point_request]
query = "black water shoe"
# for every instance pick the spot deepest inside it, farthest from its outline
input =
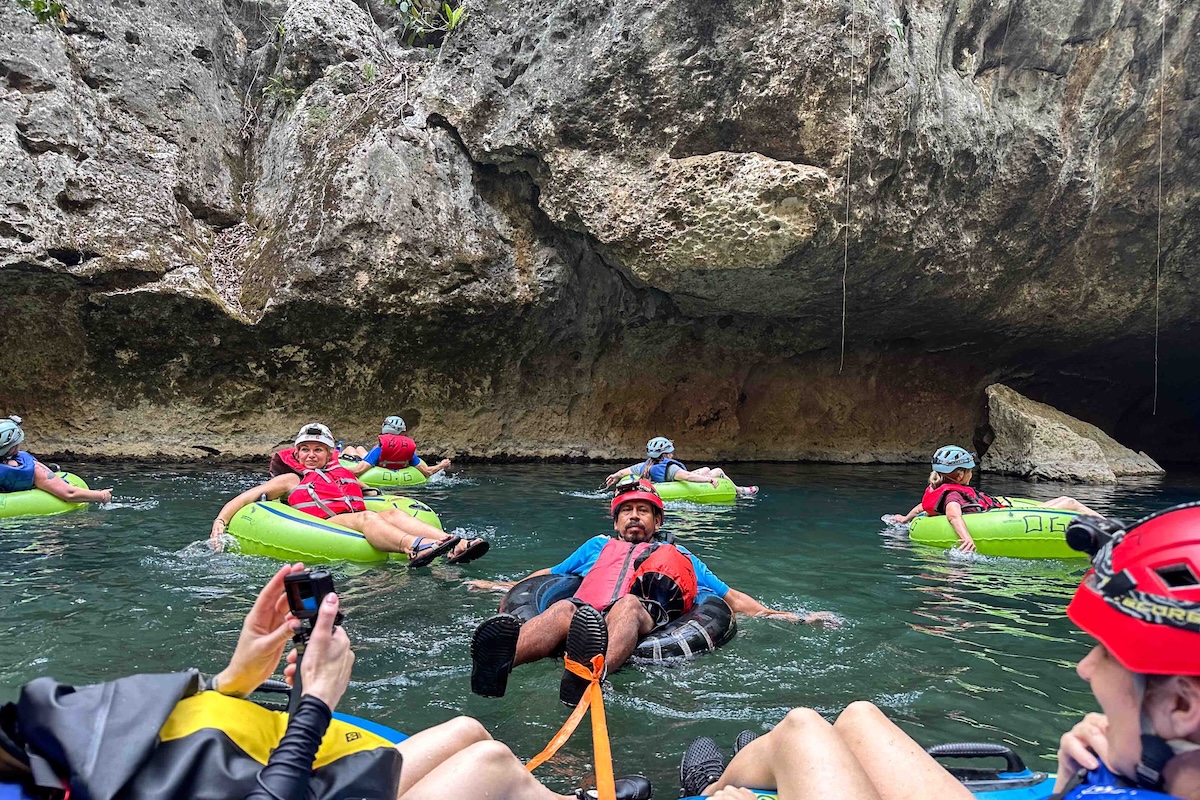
(631, 787)
(587, 638)
(744, 738)
(493, 648)
(701, 766)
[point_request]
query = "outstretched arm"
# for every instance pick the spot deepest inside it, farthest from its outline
(742, 603)
(897, 519)
(273, 489)
(616, 476)
(429, 471)
(501, 586)
(356, 468)
(50, 483)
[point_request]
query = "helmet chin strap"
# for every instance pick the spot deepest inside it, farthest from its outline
(1156, 751)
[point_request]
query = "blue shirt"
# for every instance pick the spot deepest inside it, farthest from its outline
(372, 457)
(585, 556)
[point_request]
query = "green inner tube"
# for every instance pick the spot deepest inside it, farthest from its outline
(1026, 530)
(723, 492)
(379, 478)
(35, 502)
(272, 528)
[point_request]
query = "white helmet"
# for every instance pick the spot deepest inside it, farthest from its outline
(659, 445)
(394, 425)
(315, 432)
(11, 435)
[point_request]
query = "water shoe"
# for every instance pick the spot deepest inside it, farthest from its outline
(744, 738)
(701, 766)
(587, 638)
(630, 787)
(493, 648)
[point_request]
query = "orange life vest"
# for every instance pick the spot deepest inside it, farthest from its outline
(327, 492)
(621, 563)
(934, 500)
(395, 451)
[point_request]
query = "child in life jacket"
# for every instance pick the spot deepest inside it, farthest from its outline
(661, 466)
(949, 492)
(395, 450)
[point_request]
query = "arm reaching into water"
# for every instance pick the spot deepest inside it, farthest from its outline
(429, 471)
(955, 518)
(273, 489)
(904, 519)
(50, 483)
(742, 603)
(616, 476)
(501, 586)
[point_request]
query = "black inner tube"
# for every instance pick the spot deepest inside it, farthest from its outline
(707, 625)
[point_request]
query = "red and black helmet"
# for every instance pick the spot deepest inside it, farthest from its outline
(632, 488)
(1141, 599)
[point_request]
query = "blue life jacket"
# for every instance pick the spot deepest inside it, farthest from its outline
(17, 479)
(658, 472)
(1101, 783)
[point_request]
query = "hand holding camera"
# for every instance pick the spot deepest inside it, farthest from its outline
(322, 646)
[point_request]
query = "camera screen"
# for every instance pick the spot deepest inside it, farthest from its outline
(307, 601)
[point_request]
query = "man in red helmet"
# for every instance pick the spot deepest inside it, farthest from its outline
(1141, 602)
(613, 608)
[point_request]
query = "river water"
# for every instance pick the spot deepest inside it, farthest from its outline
(953, 647)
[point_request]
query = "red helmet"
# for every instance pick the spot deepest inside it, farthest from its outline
(1141, 599)
(634, 489)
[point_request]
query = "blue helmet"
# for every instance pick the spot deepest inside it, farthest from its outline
(11, 435)
(394, 425)
(948, 459)
(659, 445)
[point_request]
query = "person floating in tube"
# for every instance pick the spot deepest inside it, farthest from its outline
(1140, 601)
(949, 492)
(633, 582)
(20, 471)
(327, 490)
(179, 736)
(394, 451)
(660, 466)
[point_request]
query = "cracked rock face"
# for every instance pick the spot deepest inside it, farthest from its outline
(575, 227)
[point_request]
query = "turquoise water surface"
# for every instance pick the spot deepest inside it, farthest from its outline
(953, 647)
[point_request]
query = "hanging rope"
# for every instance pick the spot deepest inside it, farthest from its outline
(1162, 88)
(593, 697)
(849, 162)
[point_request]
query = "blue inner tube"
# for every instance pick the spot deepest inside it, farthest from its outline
(705, 627)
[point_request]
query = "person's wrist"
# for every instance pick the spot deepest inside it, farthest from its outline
(229, 682)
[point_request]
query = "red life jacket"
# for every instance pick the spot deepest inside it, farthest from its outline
(934, 500)
(395, 451)
(327, 492)
(620, 564)
(284, 462)
(667, 580)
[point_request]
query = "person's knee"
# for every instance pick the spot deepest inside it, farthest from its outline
(492, 756)
(466, 730)
(860, 714)
(800, 721)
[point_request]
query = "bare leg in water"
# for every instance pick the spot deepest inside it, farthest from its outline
(859, 756)
(1070, 504)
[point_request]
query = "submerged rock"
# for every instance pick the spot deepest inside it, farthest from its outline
(1034, 440)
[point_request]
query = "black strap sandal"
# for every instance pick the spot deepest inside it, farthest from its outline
(422, 556)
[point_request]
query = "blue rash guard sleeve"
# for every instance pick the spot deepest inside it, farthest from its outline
(706, 581)
(372, 457)
(583, 559)
(416, 462)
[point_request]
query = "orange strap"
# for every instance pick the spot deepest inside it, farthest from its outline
(593, 697)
